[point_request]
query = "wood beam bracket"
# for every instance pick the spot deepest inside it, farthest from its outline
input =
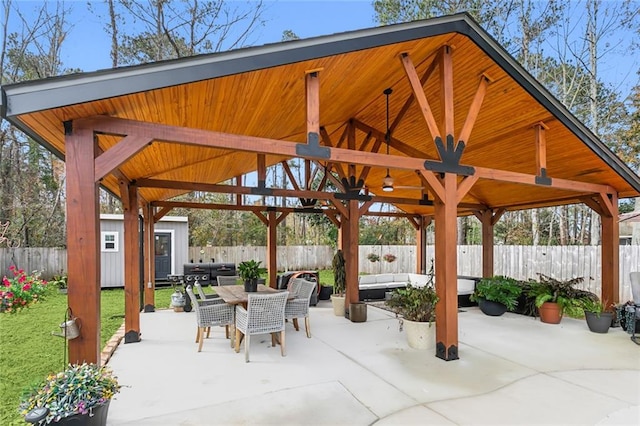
(450, 157)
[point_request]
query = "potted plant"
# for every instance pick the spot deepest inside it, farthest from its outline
(417, 307)
(249, 271)
(496, 295)
(60, 282)
(78, 395)
(597, 314)
(339, 283)
(21, 290)
(554, 298)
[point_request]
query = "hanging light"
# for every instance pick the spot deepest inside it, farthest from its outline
(387, 182)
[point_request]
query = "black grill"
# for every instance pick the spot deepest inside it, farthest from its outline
(206, 273)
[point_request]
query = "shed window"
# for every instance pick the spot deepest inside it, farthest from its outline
(109, 241)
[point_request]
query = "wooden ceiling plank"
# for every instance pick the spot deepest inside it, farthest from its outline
(474, 110)
(418, 92)
(292, 178)
(430, 69)
(119, 154)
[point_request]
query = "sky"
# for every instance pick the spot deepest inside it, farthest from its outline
(87, 46)
(306, 18)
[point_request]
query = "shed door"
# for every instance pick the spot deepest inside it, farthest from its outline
(163, 255)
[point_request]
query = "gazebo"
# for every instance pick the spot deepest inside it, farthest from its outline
(431, 116)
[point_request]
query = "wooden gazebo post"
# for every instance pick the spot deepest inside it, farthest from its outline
(129, 195)
(149, 258)
(83, 245)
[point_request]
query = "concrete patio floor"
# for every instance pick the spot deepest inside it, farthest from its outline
(512, 370)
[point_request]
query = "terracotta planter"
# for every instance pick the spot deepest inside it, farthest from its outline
(338, 305)
(420, 335)
(550, 313)
(599, 324)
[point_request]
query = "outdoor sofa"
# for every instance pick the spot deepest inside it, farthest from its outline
(374, 287)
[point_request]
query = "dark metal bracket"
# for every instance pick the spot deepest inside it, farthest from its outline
(450, 156)
(450, 354)
(543, 179)
(312, 148)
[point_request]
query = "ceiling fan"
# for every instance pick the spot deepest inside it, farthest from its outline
(388, 182)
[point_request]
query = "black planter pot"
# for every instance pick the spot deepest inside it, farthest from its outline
(599, 324)
(491, 308)
(325, 292)
(251, 286)
(96, 417)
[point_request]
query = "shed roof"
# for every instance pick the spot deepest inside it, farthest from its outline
(260, 92)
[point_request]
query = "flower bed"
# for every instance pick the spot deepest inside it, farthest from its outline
(21, 290)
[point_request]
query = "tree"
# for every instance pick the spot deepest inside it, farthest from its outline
(164, 29)
(32, 178)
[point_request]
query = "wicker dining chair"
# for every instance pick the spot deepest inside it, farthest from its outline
(204, 296)
(298, 307)
(264, 314)
(226, 280)
(211, 313)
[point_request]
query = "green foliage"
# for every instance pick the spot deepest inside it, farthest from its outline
(595, 305)
(250, 270)
(499, 289)
(29, 352)
(570, 299)
(415, 303)
(372, 257)
(75, 390)
(59, 281)
(339, 273)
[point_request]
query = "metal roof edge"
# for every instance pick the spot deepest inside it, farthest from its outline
(495, 51)
(35, 95)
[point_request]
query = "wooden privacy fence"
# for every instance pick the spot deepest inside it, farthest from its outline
(520, 262)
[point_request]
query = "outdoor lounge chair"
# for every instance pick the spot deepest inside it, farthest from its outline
(299, 306)
(264, 314)
(210, 313)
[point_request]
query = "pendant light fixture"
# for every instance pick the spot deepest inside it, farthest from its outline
(387, 182)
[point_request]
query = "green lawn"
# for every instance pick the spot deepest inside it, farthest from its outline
(28, 351)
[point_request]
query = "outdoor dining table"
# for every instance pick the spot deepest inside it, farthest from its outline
(235, 294)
